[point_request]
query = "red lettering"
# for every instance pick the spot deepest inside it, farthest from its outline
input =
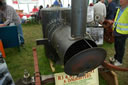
(66, 77)
(64, 81)
(69, 80)
(59, 77)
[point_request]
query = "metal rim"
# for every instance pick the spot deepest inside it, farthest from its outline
(85, 61)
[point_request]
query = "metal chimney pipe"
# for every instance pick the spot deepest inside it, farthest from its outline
(79, 18)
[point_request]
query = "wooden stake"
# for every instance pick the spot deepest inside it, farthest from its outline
(109, 76)
(51, 65)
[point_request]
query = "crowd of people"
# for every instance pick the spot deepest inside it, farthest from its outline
(8, 15)
(34, 12)
(118, 16)
(106, 11)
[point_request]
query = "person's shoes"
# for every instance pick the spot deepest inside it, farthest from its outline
(117, 63)
(114, 61)
(22, 44)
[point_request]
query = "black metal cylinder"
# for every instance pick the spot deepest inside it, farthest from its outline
(65, 46)
(51, 18)
(79, 18)
(77, 55)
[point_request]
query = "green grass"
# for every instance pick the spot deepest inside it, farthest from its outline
(19, 61)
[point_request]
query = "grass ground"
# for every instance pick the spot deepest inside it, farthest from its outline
(19, 61)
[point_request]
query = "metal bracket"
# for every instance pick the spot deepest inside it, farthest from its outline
(43, 41)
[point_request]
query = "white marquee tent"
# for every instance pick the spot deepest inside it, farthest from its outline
(27, 5)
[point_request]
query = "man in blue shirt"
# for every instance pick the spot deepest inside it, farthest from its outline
(111, 10)
(57, 3)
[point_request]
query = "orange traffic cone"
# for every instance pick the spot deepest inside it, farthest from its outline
(2, 49)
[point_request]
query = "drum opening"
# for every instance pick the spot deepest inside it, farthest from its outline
(78, 47)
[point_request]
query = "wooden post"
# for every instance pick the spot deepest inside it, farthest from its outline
(37, 73)
(51, 65)
(109, 76)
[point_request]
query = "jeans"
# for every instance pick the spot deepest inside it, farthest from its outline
(119, 45)
(20, 34)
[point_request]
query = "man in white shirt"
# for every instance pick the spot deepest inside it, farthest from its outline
(100, 10)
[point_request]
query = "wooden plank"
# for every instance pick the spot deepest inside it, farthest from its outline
(51, 65)
(37, 73)
(109, 76)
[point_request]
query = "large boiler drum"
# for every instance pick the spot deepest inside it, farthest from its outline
(63, 29)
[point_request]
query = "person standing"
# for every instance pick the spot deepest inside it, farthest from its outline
(35, 9)
(111, 10)
(69, 6)
(57, 3)
(120, 28)
(39, 16)
(100, 10)
(47, 6)
(11, 16)
(60, 3)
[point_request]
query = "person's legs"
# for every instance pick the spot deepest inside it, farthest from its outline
(20, 33)
(119, 47)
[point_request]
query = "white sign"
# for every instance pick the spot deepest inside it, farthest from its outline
(97, 34)
(90, 78)
(28, 1)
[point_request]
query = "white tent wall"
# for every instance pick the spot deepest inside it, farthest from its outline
(28, 7)
(9, 2)
(50, 2)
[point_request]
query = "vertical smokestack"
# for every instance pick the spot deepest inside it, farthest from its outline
(79, 18)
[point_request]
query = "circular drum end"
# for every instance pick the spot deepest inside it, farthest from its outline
(85, 61)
